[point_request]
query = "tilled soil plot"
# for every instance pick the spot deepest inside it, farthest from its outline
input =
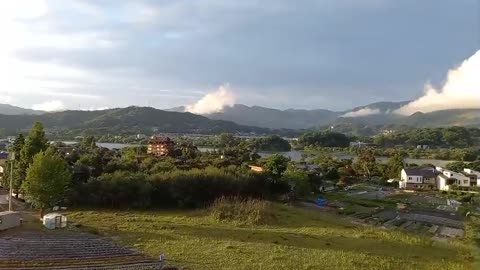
(67, 250)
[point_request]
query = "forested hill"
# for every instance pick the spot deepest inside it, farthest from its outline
(126, 120)
(14, 110)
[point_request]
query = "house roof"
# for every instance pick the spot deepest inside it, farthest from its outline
(425, 172)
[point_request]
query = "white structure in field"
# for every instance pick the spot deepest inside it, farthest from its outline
(54, 221)
(9, 219)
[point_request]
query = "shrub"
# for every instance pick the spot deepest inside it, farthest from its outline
(189, 189)
(243, 211)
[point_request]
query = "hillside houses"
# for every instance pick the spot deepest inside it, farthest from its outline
(438, 178)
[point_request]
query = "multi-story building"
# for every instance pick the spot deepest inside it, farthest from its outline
(448, 179)
(418, 178)
(161, 146)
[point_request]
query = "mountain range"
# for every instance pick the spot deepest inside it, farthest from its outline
(366, 120)
(123, 120)
(375, 114)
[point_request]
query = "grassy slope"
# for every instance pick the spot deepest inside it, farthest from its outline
(300, 239)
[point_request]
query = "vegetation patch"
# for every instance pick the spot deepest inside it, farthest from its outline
(242, 211)
(299, 239)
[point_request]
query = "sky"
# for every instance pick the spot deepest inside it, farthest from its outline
(81, 54)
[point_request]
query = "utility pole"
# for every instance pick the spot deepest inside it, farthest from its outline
(12, 160)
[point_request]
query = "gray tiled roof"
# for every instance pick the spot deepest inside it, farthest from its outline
(425, 172)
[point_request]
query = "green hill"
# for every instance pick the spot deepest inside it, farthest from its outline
(126, 120)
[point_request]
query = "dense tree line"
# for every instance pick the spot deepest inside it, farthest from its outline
(458, 137)
(272, 143)
(178, 188)
(323, 139)
(461, 154)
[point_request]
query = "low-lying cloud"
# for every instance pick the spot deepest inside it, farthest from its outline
(50, 106)
(213, 102)
(362, 112)
(5, 99)
(461, 91)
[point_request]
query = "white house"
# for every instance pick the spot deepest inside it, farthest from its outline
(474, 177)
(448, 178)
(418, 178)
(438, 178)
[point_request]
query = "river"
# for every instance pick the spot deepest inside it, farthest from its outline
(297, 156)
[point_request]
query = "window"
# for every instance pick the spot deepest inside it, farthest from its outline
(410, 178)
(465, 181)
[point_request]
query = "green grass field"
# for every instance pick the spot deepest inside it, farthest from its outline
(297, 239)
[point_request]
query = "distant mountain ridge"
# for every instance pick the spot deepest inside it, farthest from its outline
(124, 120)
(274, 118)
(14, 110)
(238, 118)
(379, 113)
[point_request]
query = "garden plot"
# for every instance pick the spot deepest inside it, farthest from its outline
(425, 200)
(72, 250)
(441, 224)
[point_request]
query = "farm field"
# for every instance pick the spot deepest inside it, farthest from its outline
(41, 249)
(296, 238)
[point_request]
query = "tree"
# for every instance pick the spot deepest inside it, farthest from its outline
(395, 165)
(226, 140)
(188, 149)
(366, 162)
(88, 142)
(46, 180)
(272, 143)
(324, 139)
(298, 181)
(35, 143)
(276, 165)
(457, 166)
(93, 159)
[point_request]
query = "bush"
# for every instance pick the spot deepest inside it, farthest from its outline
(243, 211)
(188, 189)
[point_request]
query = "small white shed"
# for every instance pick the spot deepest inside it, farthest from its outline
(9, 219)
(54, 221)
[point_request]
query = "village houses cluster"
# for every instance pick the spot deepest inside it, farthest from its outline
(431, 178)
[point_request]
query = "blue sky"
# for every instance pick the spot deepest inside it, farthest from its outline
(279, 53)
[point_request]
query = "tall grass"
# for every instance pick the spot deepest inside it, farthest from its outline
(242, 211)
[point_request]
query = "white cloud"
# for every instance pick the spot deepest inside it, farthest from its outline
(461, 91)
(6, 99)
(362, 112)
(50, 106)
(23, 9)
(213, 102)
